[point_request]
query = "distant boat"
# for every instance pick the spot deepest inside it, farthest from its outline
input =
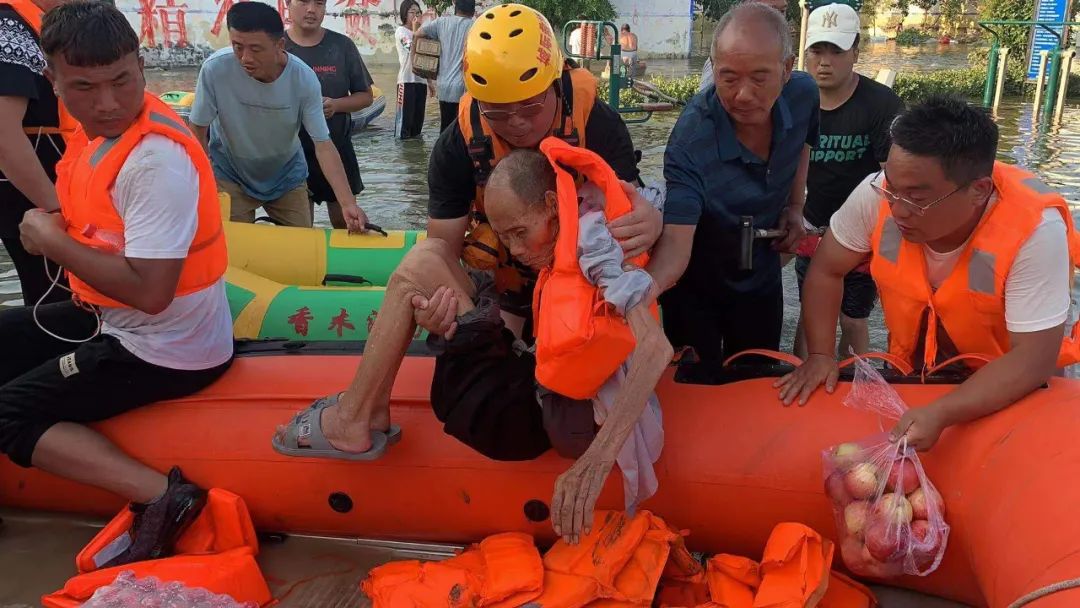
(180, 102)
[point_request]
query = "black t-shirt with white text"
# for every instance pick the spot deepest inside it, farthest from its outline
(853, 142)
(341, 71)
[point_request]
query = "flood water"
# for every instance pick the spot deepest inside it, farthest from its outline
(394, 172)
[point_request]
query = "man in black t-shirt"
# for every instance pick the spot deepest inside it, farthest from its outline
(856, 113)
(30, 145)
(519, 91)
(346, 88)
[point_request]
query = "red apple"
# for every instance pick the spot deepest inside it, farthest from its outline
(894, 509)
(902, 476)
(928, 540)
(882, 540)
(861, 481)
(920, 502)
(846, 454)
(834, 488)
(855, 516)
(851, 549)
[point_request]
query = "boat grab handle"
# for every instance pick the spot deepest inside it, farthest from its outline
(901, 365)
(957, 358)
(346, 278)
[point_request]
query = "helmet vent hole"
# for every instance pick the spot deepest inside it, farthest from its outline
(516, 32)
(479, 79)
(528, 74)
(490, 15)
(515, 13)
(485, 35)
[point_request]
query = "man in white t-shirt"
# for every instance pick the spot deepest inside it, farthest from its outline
(970, 256)
(140, 234)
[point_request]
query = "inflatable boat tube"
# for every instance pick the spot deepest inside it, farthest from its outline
(735, 463)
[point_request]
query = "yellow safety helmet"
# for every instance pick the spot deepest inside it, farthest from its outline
(511, 54)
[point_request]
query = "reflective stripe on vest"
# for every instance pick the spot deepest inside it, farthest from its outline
(84, 186)
(970, 302)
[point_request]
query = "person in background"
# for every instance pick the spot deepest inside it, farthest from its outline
(31, 142)
(855, 115)
(139, 230)
(250, 102)
(411, 89)
(573, 39)
(346, 88)
(628, 41)
(707, 69)
(971, 256)
(451, 32)
(739, 150)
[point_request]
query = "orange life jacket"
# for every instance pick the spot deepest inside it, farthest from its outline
(482, 249)
(580, 341)
(85, 176)
(217, 552)
(32, 14)
(623, 557)
(503, 571)
(970, 305)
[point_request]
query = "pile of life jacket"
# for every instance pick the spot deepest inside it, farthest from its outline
(217, 553)
(623, 562)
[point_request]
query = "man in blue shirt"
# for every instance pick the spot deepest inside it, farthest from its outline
(741, 148)
(253, 98)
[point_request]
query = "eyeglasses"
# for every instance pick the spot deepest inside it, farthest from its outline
(528, 110)
(412, 11)
(894, 198)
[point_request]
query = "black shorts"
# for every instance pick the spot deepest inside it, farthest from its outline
(860, 292)
(46, 381)
(484, 390)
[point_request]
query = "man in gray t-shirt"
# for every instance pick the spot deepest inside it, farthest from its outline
(451, 33)
(250, 102)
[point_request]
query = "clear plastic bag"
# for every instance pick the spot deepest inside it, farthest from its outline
(130, 592)
(890, 518)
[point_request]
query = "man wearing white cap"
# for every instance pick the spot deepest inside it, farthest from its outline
(854, 140)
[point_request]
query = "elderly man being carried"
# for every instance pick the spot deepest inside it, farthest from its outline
(487, 384)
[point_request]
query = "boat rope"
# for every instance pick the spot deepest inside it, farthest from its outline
(1045, 591)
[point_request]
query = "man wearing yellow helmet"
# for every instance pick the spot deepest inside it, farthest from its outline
(519, 90)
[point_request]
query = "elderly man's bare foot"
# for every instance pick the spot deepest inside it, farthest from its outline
(346, 435)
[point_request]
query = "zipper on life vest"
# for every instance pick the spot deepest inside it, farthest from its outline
(931, 346)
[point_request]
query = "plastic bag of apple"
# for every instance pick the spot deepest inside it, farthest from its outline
(890, 518)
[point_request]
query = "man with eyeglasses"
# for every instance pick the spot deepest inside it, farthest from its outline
(971, 256)
(519, 90)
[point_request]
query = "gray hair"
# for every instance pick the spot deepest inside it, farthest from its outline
(756, 12)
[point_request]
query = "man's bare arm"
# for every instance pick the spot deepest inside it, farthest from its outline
(18, 161)
(671, 255)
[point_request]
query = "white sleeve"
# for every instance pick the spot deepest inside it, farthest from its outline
(157, 195)
(1037, 288)
(853, 223)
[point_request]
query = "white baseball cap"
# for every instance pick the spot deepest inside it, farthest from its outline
(834, 23)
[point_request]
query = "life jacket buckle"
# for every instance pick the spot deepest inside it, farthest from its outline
(481, 153)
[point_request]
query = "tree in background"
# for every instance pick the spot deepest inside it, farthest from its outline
(714, 9)
(559, 12)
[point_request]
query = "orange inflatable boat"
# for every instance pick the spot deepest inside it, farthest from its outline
(734, 465)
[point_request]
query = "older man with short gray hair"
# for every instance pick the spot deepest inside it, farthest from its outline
(740, 149)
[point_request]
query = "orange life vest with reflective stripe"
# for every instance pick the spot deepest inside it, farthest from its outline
(970, 305)
(85, 176)
(32, 14)
(580, 341)
(482, 249)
